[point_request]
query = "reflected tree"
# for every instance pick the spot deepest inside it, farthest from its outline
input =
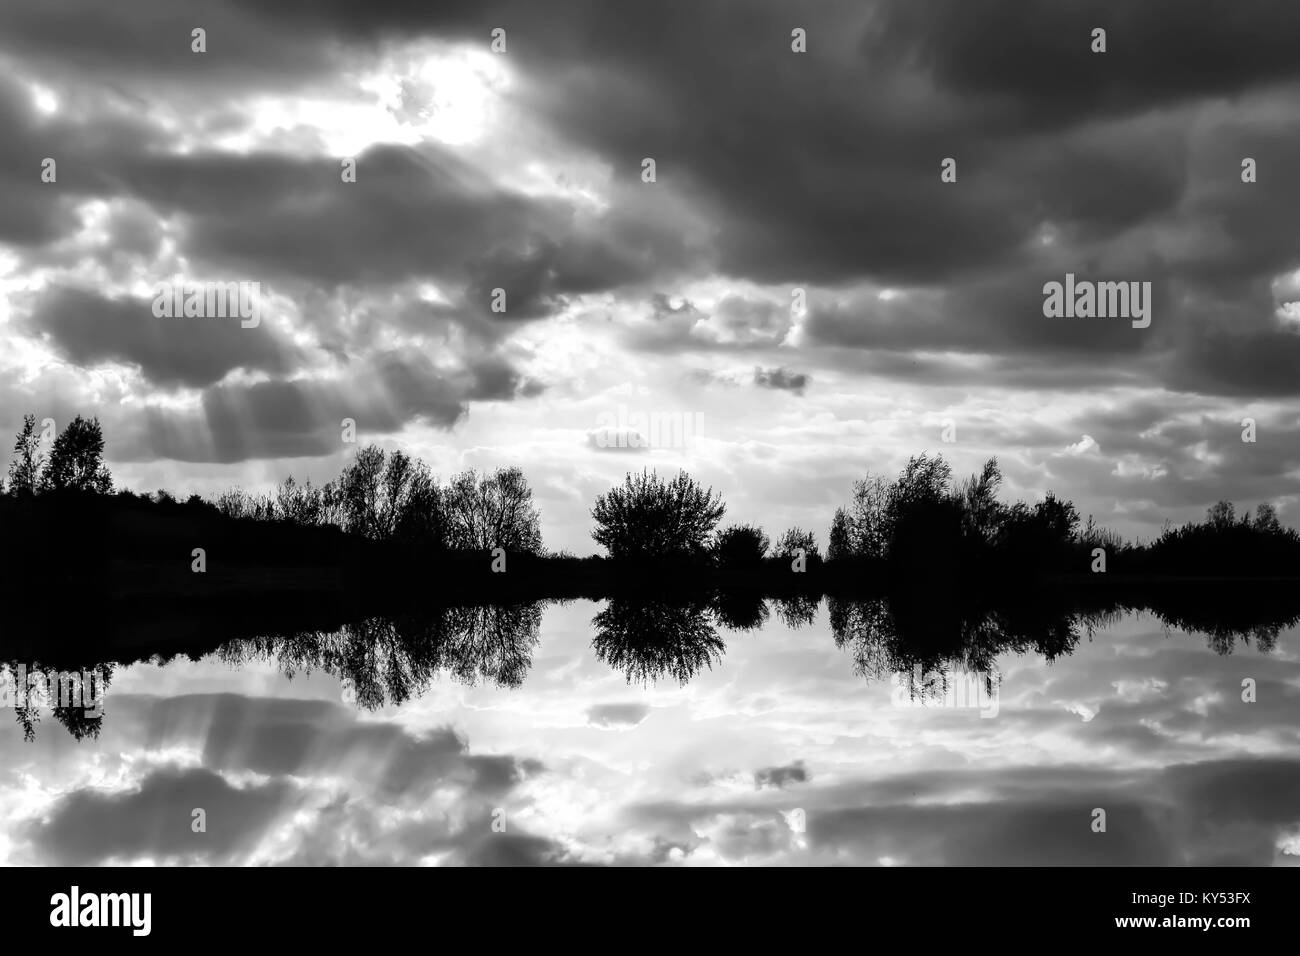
(74, 697)
(651, 639)
(391, 659)
(797, 611)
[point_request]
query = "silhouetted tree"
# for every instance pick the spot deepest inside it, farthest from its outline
(794, 541)
(1093, 535)
(298, 503)
(923, 482)
(423, 518)
(1266, 519)
(1222, 514)
(384, 495)
(870, 526)
(77, 459)
(923, 519)
(981, 511)
(1039, 536)
(361, 485)
(237, 503)
(839, 545)
(647, 517)
(867, 521)
(493, 511)
(25, 469)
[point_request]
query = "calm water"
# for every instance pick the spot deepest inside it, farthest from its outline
(527, 743)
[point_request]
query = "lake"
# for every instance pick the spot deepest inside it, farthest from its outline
(582, 733)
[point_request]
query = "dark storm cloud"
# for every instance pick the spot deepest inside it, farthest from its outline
(304, 417)
(734, 323)
(1035, 59)
(781, 379)
(811, 171)
(1157, 53)
(35, 213)
(808, 167)
(151, 40)
(302, 748)
(1013, 833)
(756, 134)
(1239, 362)
(1031, 816)
(411, 212)
(1193, 344)
(818, 170)
(262, 419)
(617, 715)
(305, 738)
(88, 329)
(87, 827)
(999, 316)
(779, 777)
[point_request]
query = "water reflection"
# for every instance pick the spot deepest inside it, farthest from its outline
(918, 637)
(71, 696)
(389, 660)
(649, 639)
(886, 638)
(643, 731)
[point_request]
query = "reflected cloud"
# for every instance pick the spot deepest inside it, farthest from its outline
(785, 746)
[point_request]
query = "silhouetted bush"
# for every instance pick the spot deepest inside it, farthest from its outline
(1039, 536)
(741, 546)
(1226, 545)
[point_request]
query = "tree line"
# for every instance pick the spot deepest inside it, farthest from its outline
(390, 496)
(923, 520)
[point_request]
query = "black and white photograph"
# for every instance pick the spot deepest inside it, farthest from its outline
(628, 434)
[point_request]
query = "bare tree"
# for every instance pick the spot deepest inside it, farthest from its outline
(25, 469)
(386, 495)
(493, 511)
(796, 540)
(299, 503)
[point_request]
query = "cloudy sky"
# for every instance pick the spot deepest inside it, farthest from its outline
(774, 171)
